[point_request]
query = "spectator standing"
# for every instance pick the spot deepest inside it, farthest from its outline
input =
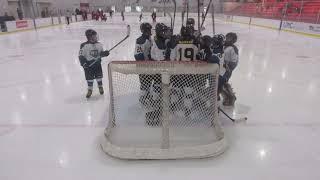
(20, 14)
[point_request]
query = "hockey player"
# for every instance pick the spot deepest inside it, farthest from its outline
(191, 23)
(223, 87)
(217, 50)
(185, 49)
(140, 17)
(142, 53)
(122, 15)
(158, 53)
(218, 44)
(159, 43)
(231, 58)
(231, 54)
(90, 55)
(154, 16)
(206, 55)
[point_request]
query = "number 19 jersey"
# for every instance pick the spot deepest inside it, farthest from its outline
(184, 50)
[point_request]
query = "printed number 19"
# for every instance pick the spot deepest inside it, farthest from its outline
(188, 54)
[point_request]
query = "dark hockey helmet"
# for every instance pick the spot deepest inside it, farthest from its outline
(206, 42)
(186, 31)
(90, 33)
(146, 28)
(161, 30)
(218, 40)
(221, 37)
(231, 38)
(190, 22)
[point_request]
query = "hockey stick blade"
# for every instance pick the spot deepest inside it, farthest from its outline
(239, 120)
(234, 120)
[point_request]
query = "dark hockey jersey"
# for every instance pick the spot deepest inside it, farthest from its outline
(207, 56)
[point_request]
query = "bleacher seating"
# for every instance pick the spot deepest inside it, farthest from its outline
(305, 11)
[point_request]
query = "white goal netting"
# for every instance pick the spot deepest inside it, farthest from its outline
(163, 110)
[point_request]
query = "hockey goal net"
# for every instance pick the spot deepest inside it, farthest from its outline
(163, 110)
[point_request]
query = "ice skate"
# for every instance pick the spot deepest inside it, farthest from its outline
(101, 91)
(89, 93)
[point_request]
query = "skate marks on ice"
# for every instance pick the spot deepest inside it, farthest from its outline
(81, 99)
(302, 57)
(11, 58)
(7, 129)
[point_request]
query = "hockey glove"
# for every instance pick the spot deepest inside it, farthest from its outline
(105, 53)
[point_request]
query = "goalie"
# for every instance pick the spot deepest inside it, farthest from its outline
(231, 59)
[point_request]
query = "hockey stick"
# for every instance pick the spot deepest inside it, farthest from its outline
(174, 13)
(232, 119)
(212, 16)
(199, 36)
(187, 12)
(171, 19)
(208, 7)
(128, 34)
(199, 15)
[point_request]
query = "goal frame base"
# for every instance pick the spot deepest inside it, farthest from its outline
(201, 151)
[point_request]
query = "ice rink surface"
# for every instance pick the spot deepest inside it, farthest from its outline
(49, 131)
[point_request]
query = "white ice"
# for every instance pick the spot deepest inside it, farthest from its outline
(49, 131)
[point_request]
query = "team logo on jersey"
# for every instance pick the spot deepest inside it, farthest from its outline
(81, 52)
(94, 53)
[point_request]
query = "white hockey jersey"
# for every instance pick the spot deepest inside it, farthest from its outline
(91, 51)
(184, 51)
(158, 49)
(142, 48)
